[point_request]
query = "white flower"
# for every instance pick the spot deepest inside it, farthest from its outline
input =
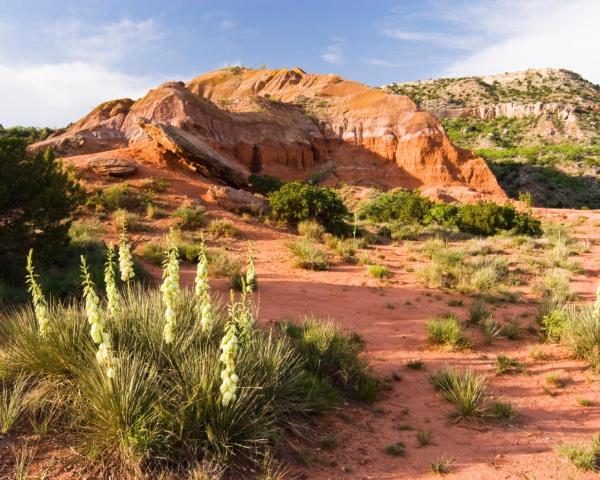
(40, 306)
(228, 375)
(171, 292)
(95, 318)
(125, 259)
(112, 294)
(250, 271)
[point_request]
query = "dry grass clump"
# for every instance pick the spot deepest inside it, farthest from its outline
(311, 229)
(446, 331)
(223, 229)
(308, 256)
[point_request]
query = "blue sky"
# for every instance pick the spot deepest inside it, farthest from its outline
(59, 58)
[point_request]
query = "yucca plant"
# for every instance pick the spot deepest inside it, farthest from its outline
(162, 405)
(308, 256)
(465, 390)
(446, 331)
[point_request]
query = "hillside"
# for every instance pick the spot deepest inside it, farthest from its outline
(236, 121)
(539, 130)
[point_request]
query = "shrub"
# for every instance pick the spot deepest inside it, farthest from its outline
(189, 218)
(424, 438)
(162, 406)
(153, 252)
(311, 230)
(37, 199)
(491, 330)
(264, 184)
(553, 324)
(155, 184)
(154, 212)
(503, 412)
(296, 201)
(122, 218)
(223, 228)
(403, 206)
(85, 232)
(465, 390)
(446, 331)
(221, 264)
(581, 333)
(379, 271)
(442, 465)
(442, 214)
(308, 256)
(488, 218)
(345, 248)
(118, 196)
(334, 357)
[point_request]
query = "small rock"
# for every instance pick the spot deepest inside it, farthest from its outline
(237, 200)
(112, 167)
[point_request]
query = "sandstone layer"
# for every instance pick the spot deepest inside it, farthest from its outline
(287, 123)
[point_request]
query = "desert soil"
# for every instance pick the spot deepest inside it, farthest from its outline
(391, 318)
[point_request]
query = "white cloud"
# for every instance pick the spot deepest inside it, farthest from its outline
(334, 53)
(227, 24)
(54, 95)
(83, 72)
(534, 34)
(447, 40)
(105, 43)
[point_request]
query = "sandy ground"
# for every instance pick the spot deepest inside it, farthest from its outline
(391, 318)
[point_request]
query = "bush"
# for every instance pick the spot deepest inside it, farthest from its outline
(189, 218)
(222, 265)
(311, 229)
(37, 199)
(446, 331)
(118, 196)
(223, 228)
(553, 324)
(442, 214)
(401, 206)
(122, 218)
(488, 218)
(333, 356)
(296, 201)
(162, 407)
(153, 252)
(264, 184)
(308, 256)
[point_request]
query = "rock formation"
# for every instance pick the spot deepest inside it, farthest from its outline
(228, 123)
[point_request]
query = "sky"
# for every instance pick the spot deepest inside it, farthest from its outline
(59, 58)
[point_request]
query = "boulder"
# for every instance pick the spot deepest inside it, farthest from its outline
(236, 200)
(194, 151)
(112, 167)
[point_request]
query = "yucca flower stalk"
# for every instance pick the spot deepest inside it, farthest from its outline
(202, 291)
(40, 306)
(112, 294)
(125, 258)
(250, 272)
(171, 292)
(95, 318)
(229, 348)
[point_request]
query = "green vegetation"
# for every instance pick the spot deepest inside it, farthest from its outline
(446, 331)
(223, 229)
(403, 207)
(264, 184)
(584, 457)
(37, 200)
(397, 449)
(311, 229)
(465, 390)
(190, 218)
(156, 403)
(308, 256)
(507, 365)
(379, 271)
(297, 201)
(334, 356)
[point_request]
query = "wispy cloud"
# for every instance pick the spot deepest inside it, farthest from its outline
(533, 34)
(105, 43)
(334, 52)
(447, 40)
